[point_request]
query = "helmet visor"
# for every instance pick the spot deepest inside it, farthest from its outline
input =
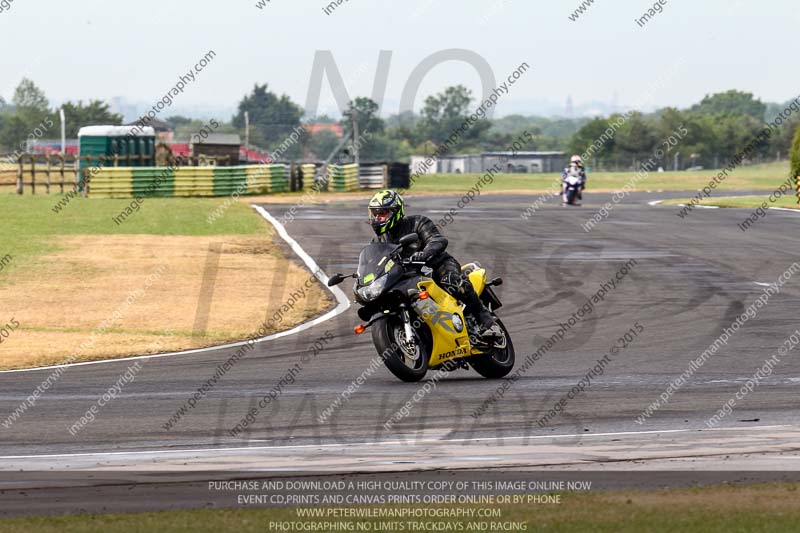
(380, 214)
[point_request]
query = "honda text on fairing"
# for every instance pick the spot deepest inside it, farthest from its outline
(417, 325)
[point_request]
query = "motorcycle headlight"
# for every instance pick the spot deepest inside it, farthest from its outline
(373, 290)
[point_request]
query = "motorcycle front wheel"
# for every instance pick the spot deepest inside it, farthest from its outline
(571, 195)
(406, 358)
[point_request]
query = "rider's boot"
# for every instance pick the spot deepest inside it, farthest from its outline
(487, 327)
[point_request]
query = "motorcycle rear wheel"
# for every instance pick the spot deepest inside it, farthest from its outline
(408, 361)
(498, 362)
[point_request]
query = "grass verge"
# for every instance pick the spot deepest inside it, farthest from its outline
(750, 202)
(80, 287)
(31, 228)
(756, 508)
(766, 176)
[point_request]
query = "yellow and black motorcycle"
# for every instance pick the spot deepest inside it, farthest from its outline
(418, 326)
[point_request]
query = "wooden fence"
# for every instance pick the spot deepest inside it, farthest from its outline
(8, 174)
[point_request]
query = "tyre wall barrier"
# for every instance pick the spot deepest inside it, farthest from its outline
(309, 171)
(343, 178)
(372, 176)
(127, 182)
(399, 176)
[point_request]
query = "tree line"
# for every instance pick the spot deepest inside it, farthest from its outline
(719, 126)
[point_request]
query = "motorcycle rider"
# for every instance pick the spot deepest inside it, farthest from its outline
(388, 220)
(575, 168)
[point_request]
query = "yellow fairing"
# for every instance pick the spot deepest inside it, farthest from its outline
(477, 276)
(478, 280)
(443, 315)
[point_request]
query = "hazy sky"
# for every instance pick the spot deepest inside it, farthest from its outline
(85, 49)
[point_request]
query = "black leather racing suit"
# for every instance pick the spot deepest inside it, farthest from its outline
(446, 270)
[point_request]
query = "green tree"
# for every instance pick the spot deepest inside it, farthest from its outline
(385, 148)
(695, 135)
(96, 112)
(366, 112)
(446, 112)
(559, 128)
(324, 119)
(499, 142)
(700, 145)
(796, 153)
(322, 143)
(273, 119)
(731, 103)
(14, 133)
(178, 120)
(31, 108)
(670, 120)
(403, 127)
(781, 141)
(27, 96)
(28, 114)
(406, 119)
(637, 138)
(590, 132)
(734, 133)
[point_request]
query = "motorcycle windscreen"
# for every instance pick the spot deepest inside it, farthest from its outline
(374, 262)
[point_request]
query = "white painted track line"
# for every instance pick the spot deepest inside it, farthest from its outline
(385, 443)
(791, 210)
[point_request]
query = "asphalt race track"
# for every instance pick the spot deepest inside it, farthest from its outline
(692, 278)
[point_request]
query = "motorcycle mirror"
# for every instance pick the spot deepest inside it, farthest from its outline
(411, 238)
(335, 280)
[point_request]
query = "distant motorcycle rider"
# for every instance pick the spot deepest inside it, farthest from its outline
(575, 168)
(388, 220)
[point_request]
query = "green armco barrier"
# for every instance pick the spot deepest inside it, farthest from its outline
(228, 180)
(128, 182)
(263, 179)
(154, 181)
(119, 182)
(194, 181)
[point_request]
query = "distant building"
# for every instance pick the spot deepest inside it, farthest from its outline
(508, 162)
(164, 130)
(317, 127)
(219, 145)
(52, 146)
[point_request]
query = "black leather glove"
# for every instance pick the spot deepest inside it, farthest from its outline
(418, 257)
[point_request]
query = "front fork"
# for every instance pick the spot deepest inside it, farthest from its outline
(406, 316)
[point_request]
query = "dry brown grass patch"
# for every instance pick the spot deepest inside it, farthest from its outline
(69, 294)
